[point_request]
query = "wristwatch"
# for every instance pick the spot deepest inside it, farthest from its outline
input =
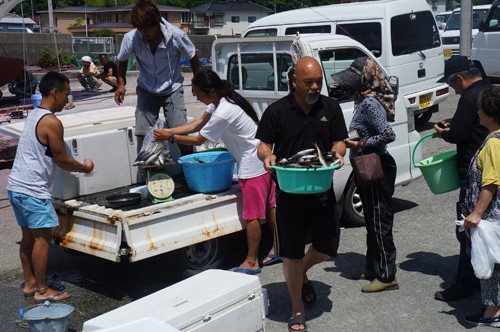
(171, 138)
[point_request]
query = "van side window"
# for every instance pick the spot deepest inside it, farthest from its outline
(262, 33)
(492, 22)
(334, 61)
(414, 32)
(368, 34)
(258, 71)
(308, 29)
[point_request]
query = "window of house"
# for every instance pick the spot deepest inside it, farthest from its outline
(235, 19)
(104, 18)
(218, 20)
(186, 17)
(252, 19)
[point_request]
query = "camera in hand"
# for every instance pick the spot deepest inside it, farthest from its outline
(441, 125)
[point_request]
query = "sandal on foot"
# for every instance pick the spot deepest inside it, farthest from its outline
(308, 292)
(56, 297)
(297, 320)
(273, 259)
(30, 294)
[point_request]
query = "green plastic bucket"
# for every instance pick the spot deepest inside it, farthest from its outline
(305, 180)
(440, 172)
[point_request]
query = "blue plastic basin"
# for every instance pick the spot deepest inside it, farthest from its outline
(208, 172)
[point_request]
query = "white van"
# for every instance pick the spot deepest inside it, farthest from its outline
(450, 36)
(251, 65)
(486, 45)
(442, 18)
(401, 34)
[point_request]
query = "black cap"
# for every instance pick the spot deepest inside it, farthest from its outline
(350, 78)
(456, 64)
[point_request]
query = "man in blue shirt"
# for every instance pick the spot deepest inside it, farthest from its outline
(158, 47)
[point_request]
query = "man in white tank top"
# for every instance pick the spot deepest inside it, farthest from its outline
(41, 148)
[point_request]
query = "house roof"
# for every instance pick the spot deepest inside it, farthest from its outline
(106, 26)
(231, 6)
(16, 19)
(125, 8)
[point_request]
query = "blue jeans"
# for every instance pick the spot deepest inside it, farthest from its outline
(148, 109)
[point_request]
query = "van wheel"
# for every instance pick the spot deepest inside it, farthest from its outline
(423, 118)
(199, 257)
(352, 214)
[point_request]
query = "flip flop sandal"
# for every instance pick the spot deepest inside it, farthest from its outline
(29, 294)
(308, 293)
(297, 320)
(273, 260)
(54, 297)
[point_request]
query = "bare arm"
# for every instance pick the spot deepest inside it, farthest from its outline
(51, 132)
(485, 196)
(190, 140)
(338, 150)
(265, 154)
(188, 128)
(122, 73)
(195, 64)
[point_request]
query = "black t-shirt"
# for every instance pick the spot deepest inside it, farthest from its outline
(112, 65)
(465, 130)
(291, 130)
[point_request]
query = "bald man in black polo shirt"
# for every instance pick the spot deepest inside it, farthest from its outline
(292, 124)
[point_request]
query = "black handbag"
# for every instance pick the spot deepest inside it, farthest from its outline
(367, 169)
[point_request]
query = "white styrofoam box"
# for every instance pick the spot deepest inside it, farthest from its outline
(76, 124)
(109, 152)
(146, 324)
(214, 300)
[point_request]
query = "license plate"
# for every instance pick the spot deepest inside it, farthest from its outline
(448, 53)
(424, 101)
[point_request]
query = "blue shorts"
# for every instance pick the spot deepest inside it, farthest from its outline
(33, 212)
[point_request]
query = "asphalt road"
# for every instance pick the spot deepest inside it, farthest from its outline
(423, 232)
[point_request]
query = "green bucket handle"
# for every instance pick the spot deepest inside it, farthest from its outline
(418, 143)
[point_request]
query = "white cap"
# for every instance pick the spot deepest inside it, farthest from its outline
(86, 58)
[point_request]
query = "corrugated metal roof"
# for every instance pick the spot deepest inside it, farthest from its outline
(16, 19)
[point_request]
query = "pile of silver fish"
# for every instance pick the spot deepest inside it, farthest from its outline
(153, 155)
(309, 158)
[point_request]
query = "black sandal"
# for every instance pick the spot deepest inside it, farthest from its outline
(308, 292)
(297, 320)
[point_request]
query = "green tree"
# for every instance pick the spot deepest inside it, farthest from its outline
(102, 33)
(78, 22)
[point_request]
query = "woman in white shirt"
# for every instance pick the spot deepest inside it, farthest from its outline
(230, 118)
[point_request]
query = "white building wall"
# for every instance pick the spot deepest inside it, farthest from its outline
(234, 29)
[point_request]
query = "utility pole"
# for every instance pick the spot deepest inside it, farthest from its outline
(51, 17)
(465, 27)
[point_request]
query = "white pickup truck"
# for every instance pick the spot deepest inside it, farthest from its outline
(194, 227)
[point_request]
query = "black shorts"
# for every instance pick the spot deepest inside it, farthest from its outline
(297, 215)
